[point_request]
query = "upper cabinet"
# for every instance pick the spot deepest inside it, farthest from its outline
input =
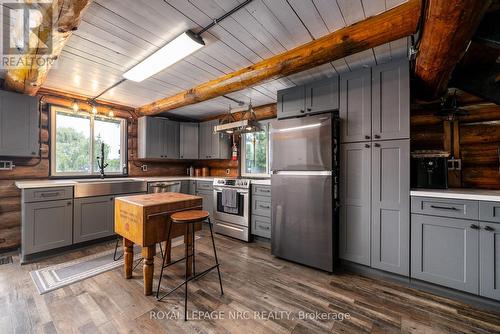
(213, 145)
(355, 106)
(391, 101)
(375, 103)
(315, 97)
(19, 133)
(158, 138)
(188, 141)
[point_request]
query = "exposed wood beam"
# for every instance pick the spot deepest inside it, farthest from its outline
(448, 28)
(261, 112)
(396, 23)
(66, 100)
(67, 15)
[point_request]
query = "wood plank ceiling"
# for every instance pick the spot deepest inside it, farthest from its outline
(114, 35)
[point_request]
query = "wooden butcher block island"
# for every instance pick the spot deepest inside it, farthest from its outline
(143, 220)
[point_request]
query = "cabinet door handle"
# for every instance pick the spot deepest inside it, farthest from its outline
(302, 111)
(443, 207)
(111, 198)
(309, 109)
(367, 145)
(377, 145)
(367, 137)
(474, 226)
(377, 136)
(49, 194)
(489, 228)
(69, 203)
(264, 206)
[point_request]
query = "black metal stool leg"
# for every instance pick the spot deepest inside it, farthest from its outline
(116, 249)
(186, 276)
(215, 255)
(194, 260)
(163, 262)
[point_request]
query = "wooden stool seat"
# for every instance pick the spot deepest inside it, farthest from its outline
(190, 216)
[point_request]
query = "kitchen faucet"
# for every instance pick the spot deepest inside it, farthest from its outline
(100, 162)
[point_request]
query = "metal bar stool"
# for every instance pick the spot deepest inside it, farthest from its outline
(189, 219)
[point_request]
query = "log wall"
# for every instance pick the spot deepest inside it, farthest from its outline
(477, 136)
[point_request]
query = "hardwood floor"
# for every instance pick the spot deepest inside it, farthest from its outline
(255, 285)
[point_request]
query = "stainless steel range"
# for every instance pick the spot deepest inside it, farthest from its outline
(233, 222)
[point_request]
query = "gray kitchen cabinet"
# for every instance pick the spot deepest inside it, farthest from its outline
(489, 260)
(188, 134)
(261, 211)
(93, 218)
(322, 95)
(390, 230)
(157, 138)
(489, 211)
(213, 145)
(170, 139)
(391, 100)
(291, 102)
(355, 106)
(185, 187)
(355, 209)
(46, 225)
(19, 133)
(208, 200)
(445, 251)
(149, 138)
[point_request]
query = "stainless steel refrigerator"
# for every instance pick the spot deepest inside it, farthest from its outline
(304, 181)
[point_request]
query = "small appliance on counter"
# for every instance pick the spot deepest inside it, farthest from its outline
(429, 169)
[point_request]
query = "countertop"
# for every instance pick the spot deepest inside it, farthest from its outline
(457, 193)
(72, 182)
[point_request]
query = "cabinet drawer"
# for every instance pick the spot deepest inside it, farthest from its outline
(261, 226)
(202, 185)
(260, 190)
(489, 211)
(261, 206)
(47, 194)
(445, 207)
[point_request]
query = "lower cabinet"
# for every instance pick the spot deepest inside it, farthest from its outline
(261, 211)
(355, 183)
(93, 218)
(445, 251)
(489, 264)
(47, 225)
(390, 220)
(208, 199)
(261, 226)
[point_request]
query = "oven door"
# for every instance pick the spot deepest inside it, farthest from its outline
(239, 218)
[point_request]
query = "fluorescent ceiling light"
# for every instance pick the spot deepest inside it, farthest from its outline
(179, 48)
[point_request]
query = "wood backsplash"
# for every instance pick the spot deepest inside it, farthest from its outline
(475, 137)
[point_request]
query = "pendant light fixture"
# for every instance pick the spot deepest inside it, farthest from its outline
(75, 106)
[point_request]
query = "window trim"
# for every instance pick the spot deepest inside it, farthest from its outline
(243, 172)
(123, 144)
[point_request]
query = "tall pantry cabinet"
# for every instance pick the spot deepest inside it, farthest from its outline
(375, 173)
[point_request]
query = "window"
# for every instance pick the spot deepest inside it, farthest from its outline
(255, 153)
(76, 141)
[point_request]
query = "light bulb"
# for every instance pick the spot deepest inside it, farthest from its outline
(94, 110)
(75, 106)
(111, 113)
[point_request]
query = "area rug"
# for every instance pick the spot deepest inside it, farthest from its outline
(60, 275)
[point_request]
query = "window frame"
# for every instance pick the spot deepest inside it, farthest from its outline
(243, 172)
(93, 173)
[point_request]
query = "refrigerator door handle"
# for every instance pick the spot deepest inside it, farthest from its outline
(303, 173)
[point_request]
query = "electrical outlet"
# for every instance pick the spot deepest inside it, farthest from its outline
(144, 168)
(228, 171)
(6, 165)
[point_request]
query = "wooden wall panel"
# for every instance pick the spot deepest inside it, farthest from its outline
(478, 140)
